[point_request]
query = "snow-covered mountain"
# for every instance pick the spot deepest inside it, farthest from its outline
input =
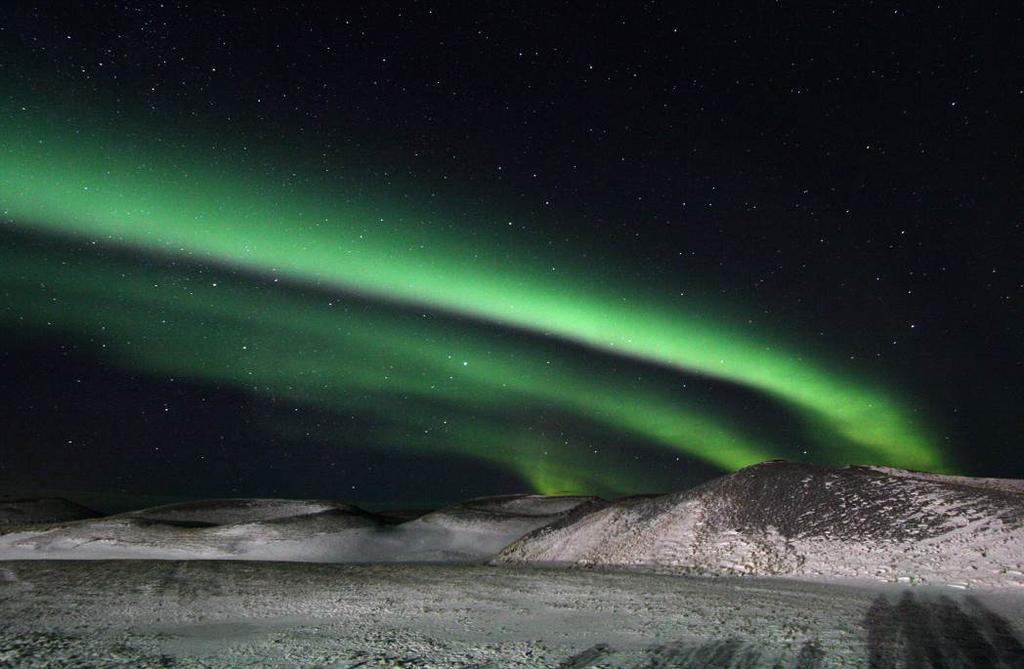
(294, 530)
(777, 518)
(805, 521)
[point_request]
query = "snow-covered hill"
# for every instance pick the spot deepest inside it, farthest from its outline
(293, 530)
(238, 510)
(805, 521)
(773, 519)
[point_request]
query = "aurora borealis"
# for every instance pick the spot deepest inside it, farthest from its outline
(196, 251)
(86, 191)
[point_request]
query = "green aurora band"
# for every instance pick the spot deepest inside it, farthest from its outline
(184, 199)
(368, 360)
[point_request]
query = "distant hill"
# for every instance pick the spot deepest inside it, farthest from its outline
(297, 530)
(239, 510)
(805, 521)
(26, 510)
(773, 519)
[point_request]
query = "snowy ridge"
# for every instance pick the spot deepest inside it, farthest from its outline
(773, 519)
(1010, 485)
(41, 510)
(293, 530)
(242, 510)
(805, 521)
(529, 505)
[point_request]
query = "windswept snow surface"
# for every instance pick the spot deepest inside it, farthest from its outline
(804, 521)
(217, 614)
(293, 530)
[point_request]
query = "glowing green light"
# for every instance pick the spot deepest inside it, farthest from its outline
(188, 201)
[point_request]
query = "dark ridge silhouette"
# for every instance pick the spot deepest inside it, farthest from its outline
(27, 510)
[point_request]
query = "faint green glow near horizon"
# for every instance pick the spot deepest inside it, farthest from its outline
(90, 185)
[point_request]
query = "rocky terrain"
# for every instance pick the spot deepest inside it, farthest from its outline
(804, 521)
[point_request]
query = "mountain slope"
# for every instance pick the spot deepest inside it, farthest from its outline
(804, 521)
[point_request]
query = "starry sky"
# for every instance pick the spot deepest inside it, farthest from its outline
(404, 254)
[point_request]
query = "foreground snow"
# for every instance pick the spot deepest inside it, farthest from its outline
(247, 614)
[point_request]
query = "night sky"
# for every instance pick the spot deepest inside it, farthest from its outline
(406, 254)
